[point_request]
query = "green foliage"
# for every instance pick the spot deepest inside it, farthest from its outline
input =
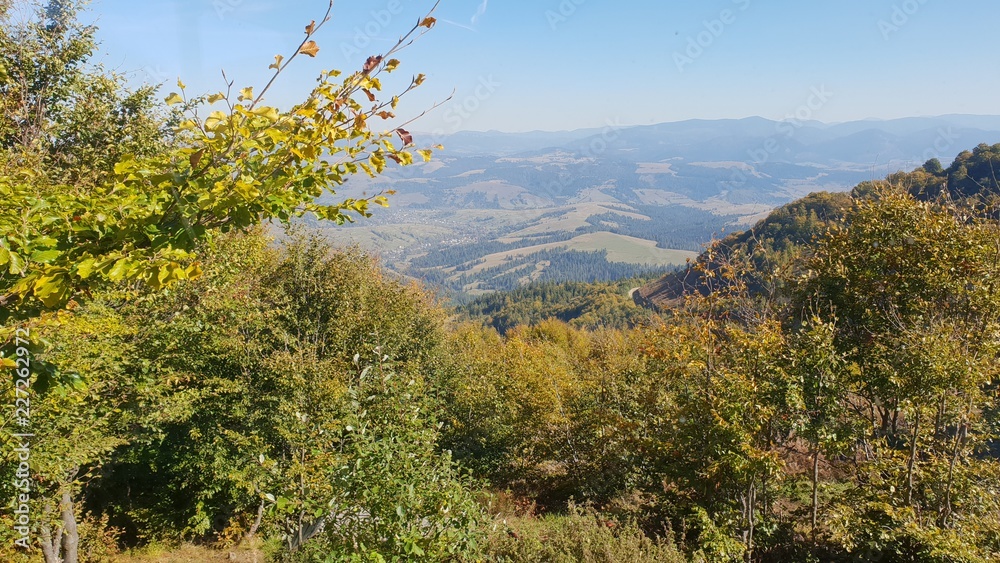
(88, 119)
(772, 247)
(101, 197)
(582, 305)
(298, 394)
(911, 286)
(78, 411)
(266, 410)
(143, 215)
(971, 178)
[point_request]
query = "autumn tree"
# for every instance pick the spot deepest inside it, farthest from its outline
(233, 161)
(104, 188)
(910, 288)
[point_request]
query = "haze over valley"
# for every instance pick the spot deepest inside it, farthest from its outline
(494, 210)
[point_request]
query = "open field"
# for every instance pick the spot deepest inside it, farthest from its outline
(620, 249)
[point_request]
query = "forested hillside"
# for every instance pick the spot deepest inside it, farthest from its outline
(581, 304)
(184, 386)
(776, 241)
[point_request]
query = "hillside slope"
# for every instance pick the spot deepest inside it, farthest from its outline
(774, 241)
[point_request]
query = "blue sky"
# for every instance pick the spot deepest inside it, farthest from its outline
(519, 65)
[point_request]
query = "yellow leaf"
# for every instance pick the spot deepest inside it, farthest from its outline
(51, 289)
(216, 97)
(277, 62)
(246, 93)
(426, 154)
(419, 79)
(266, 111)
(173, 98)
(391, 65)
(309, 48)
(180, 84)
(214, 120)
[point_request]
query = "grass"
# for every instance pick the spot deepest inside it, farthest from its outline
(620, 248)
(580, 536)
(188, 553)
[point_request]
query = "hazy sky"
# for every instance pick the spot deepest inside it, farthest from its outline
(518, 65)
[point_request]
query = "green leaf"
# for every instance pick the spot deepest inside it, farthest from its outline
(119, 270)
(124, 166)
(17, 265)
(85, 268)
(44, 256)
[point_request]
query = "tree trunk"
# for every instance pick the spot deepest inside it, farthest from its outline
(70, 537)
(815, 491)
(960, 433)
(752, 498)
(50, 550)
(913, 458)
(256, 522)
(939, 422)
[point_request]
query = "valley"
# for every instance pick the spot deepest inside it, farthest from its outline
(495, 211)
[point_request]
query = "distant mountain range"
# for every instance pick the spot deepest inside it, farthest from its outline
(871, 142)
(623, 199)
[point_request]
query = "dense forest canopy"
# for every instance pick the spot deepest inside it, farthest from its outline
(823, 388)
